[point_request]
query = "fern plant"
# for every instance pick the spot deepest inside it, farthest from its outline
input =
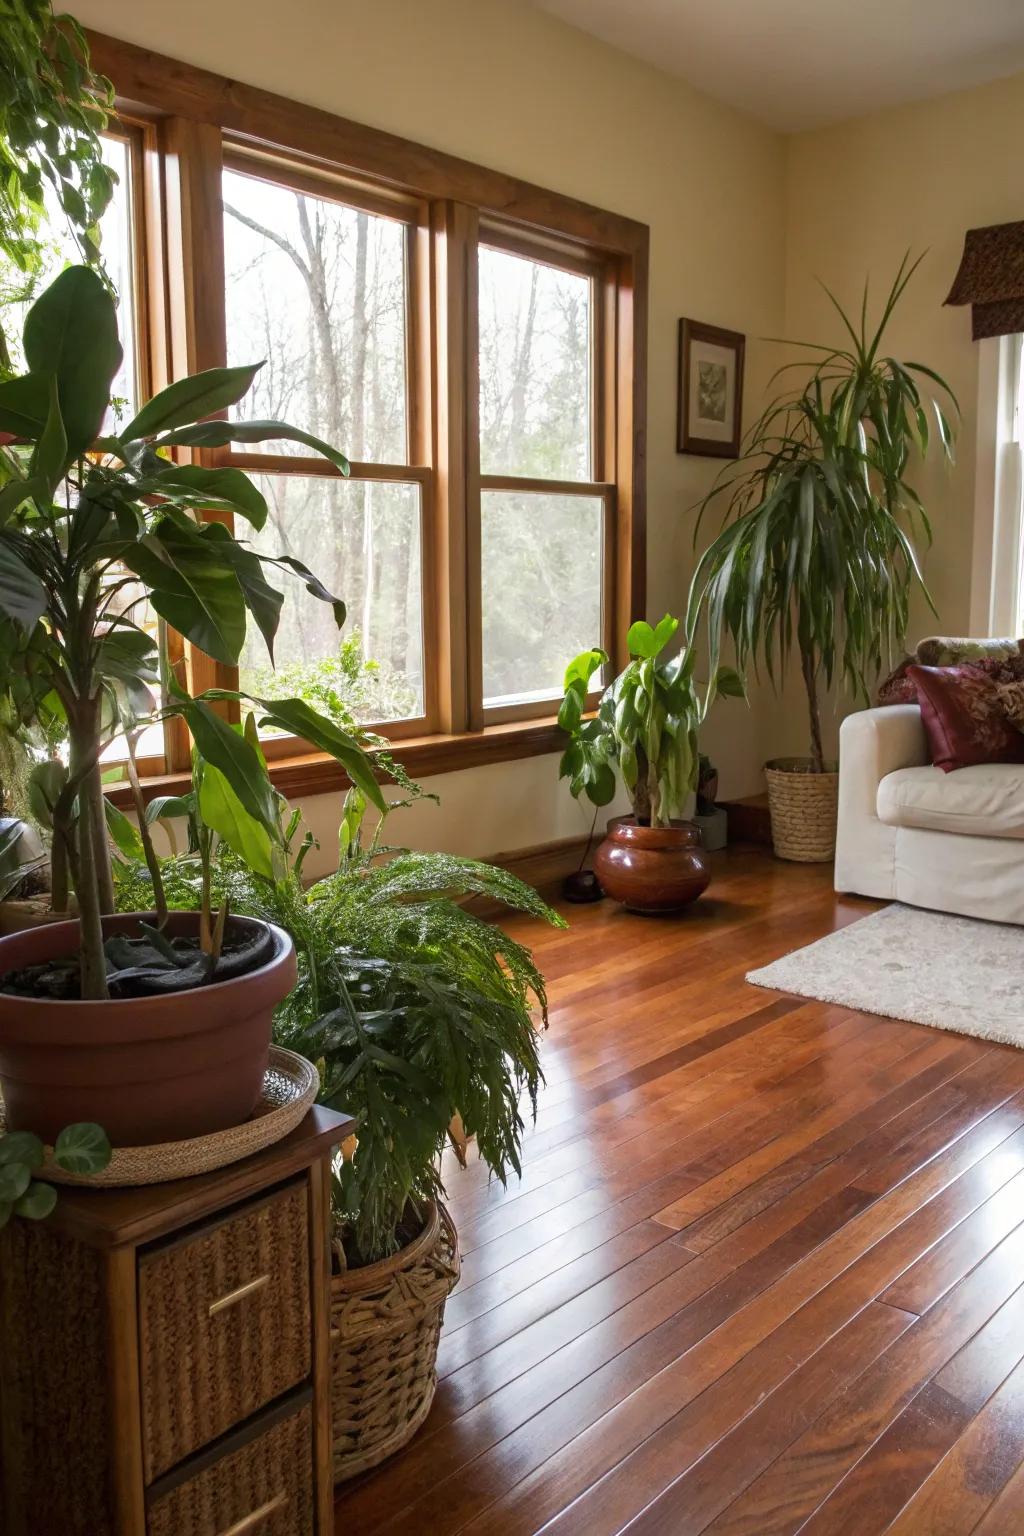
(419, 1014)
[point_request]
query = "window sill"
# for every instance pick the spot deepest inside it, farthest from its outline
(313, 773)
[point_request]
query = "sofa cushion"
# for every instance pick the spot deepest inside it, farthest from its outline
(986, 800)
(963, 719)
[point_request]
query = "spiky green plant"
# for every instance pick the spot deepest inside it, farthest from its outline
(817, 550)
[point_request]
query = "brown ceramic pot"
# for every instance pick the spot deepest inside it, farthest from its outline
(147, 1069)
(652, 869)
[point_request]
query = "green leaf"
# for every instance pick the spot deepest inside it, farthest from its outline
(664, 631)
(313, 585)
(124, 832)
(222, 810)
(730, 683)
(45, 784)
(263, 601)
(14, 1180)
(640, 639)
(22, 597)
(218, 434)
(242, 765)
(36, 1203)
(24, 405)
(211, 487)
(187, 400)
(167, 807)
(71, 332)
(196, 593)
(298, 718)
(22, 1147)
(582, 667)
(82, 1148)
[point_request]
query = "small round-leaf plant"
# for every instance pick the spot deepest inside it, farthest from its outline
(646, 725)
(80, 1149)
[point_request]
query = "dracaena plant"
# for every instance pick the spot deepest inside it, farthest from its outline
(646, 725)
(817, 549)
(95, 523)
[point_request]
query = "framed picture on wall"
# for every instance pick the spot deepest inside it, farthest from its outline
(710, 389)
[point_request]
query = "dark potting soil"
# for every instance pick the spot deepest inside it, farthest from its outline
(146, 967)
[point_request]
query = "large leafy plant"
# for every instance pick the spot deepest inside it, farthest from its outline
(817, 549)
(646, 724)
(53, 107)
(417, 1012)
(96, 524)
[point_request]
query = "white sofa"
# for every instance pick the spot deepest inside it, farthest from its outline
(909, 832)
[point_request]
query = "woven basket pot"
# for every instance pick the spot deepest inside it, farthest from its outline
(804, 807)
(385, 1325)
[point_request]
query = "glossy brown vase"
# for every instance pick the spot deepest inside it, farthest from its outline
(652, 869)
(148, 1069)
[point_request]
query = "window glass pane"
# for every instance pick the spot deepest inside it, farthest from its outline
(63, 251)
(362, 539)
(541, 559)
(535, 371)
(318, 290)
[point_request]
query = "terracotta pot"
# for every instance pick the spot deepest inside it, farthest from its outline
(147, 1069)
(652, 869)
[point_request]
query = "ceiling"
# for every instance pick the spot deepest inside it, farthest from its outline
(797, 64)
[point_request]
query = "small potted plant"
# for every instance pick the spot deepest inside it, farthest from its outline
(420, 1018)
(155, 1034)
(644, 732)
(817, 553)
(712, 821)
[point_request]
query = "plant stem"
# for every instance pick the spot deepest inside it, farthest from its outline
(146, 834)
(93, 963)
(94, 811)
(58, 871)
(811, 686)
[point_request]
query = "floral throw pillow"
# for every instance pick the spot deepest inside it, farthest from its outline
(1011, 701)
(963, 718)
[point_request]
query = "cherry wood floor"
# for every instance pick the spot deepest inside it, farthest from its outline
(764, 1272)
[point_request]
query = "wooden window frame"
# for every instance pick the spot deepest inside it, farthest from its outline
(194, 122)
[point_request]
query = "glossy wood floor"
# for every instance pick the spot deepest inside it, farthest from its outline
(764, 1272)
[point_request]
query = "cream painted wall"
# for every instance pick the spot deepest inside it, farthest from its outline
(512, 88)
(858, 196)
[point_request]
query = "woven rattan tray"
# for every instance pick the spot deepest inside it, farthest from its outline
(290, 1086)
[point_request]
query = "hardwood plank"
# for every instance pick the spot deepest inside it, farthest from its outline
(965, 1484)
(903, 1456)
(779, 1501)
(697, 1473)
(825, 1336)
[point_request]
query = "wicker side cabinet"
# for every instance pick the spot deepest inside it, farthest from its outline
(164, 1354)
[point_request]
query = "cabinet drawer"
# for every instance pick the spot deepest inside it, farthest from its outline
(263, 1487)
(224, 1325)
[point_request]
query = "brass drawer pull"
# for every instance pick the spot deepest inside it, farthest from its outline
(250, 1522)
(249, 1289)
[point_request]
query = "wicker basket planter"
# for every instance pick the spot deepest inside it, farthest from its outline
(804, 807)
(385, 1324)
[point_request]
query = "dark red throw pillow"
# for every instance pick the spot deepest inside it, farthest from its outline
(963, 718)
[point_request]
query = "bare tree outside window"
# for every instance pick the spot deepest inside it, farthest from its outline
(318, 289)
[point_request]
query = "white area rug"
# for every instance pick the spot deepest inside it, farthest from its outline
(927, 967)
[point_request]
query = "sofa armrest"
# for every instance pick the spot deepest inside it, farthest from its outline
(872, 744)
(875, 742)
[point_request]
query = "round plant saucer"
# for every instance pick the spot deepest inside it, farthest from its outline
(290, 1086)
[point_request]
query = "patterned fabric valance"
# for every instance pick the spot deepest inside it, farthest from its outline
(991, 279)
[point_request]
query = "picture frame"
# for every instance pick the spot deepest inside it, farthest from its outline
(710, 403)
